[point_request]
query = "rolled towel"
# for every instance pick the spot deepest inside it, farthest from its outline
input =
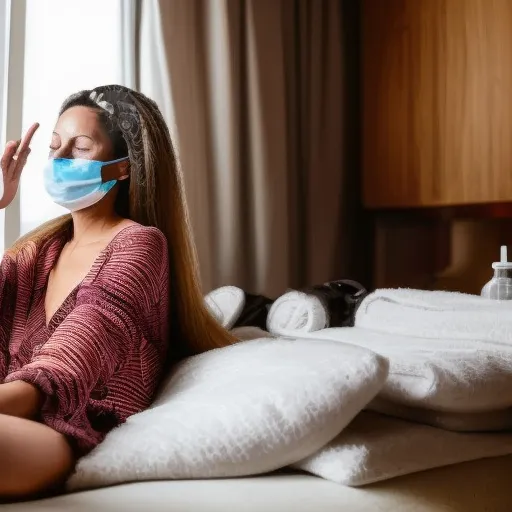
(332, 304)
(233, 307)
(436, 315)
(226, 304)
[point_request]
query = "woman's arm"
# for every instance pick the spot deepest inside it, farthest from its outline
(12, 162)
(94, 339)
(86, 348)
(8, 292)
(21, 399)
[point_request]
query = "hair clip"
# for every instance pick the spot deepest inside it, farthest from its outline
(105, 105)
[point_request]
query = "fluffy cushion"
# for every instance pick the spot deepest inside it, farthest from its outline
(246, 409)
(375, 447)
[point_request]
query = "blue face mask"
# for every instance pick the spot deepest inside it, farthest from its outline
(77, 183)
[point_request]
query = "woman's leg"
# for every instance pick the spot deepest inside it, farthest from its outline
(33, 457)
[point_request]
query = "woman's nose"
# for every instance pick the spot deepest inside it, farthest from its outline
(62, 152)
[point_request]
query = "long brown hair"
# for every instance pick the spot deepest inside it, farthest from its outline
(152, 196)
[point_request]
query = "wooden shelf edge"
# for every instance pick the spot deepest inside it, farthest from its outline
(473, 211)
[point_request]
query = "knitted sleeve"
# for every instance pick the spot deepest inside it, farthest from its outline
(114, 315)
(7, 301)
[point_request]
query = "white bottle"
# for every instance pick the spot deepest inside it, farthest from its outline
(500, 286)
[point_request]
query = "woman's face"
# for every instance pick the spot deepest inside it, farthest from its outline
(79, 134)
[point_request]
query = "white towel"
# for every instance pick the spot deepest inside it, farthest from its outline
(436, 314)
(488, 421)
(455, 375)
(297, 311)
(226, 304)
(375, 447)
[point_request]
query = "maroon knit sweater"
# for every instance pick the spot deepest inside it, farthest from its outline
(101, 356)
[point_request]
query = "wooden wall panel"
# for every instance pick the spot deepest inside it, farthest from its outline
(437, 102)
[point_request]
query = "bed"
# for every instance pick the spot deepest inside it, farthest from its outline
(477, 486)
(251, 375)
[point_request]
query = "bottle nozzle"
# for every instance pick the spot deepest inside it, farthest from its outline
(504, 258)
(503, 263)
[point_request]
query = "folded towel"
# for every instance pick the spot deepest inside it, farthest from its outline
(375, 447)
(436, 314)
(455, 375)
(488, 421)
(331, 304)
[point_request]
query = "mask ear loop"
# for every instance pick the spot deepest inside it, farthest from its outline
(118, 170)
(115, 171)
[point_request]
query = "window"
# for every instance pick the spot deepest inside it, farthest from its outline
(69, 46)
(3, 64)
(48, 50)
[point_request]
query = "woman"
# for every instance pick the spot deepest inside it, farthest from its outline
(89, 302)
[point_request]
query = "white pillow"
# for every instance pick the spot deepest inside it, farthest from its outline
(375, 447)
(246, 409)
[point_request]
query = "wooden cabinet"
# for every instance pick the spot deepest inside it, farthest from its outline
(437, 102)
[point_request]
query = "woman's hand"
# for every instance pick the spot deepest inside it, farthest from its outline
(12, 163)
(21, 399)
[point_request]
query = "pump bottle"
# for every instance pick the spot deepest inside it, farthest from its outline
(500, 286)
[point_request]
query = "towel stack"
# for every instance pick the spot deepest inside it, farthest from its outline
(466, 341)
(450, 358)
(462, 385)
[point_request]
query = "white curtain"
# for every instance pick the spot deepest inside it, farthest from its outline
(254, 93)
(155, 82)
(130, 15)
